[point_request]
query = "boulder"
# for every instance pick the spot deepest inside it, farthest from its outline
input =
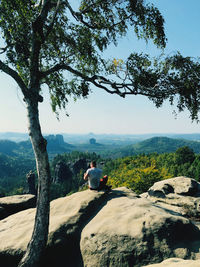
(179, 194)
(175, 262)
(68, 216)
(12, 204)
(132, 231)
(179, 185)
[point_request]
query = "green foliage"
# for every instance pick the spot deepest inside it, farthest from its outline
(13, 166)
(17, 191)
(13, 172)
(7, 147)
(58, 190)
(184, 155)
(2, 192)
(181, 163)
(138, 172)
(184, 80)
(47, 38)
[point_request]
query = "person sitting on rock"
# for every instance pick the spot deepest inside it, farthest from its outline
(93, 175)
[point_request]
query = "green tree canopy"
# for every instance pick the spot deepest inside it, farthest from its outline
(71, 38)
(184, 155)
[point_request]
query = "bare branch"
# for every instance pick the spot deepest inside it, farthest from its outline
(3, 49)
(27, 93)
(96, 80)
(15, 76)
(112, 87)
(74, 13)
(78, 16)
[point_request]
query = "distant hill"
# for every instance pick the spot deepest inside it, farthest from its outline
(105, 139)
(165, 144)
(12, 136)
(157, 144)
(55, 145)
(7, 147)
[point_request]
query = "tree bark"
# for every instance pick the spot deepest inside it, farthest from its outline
(39, 237)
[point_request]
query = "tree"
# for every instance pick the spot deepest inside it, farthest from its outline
(44, 39)
(184, 155)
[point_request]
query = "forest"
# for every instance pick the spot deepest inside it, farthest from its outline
(136, 166)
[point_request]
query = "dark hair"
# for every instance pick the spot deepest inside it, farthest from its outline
(94, 163)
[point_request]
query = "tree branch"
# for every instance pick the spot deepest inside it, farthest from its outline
(37, 40)
(96, 80)
(79, 17)
(121, 89)
(49, 29)
(27, 93)
(15, 76)
(3, 49)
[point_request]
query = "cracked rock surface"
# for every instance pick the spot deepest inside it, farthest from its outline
(115, 229)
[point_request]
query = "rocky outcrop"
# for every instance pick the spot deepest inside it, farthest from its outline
(12, 204)
(179, 194)
(116, 229)
(180, 185)
(63, 174)
(133, 232)
(30, 177)
(80, 164)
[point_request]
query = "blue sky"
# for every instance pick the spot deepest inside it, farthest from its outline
(104, 113)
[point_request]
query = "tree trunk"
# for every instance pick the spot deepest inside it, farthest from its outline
(39, 237)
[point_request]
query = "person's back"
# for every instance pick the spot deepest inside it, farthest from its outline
(93, 175)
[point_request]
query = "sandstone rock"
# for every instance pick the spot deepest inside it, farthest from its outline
(62, 174)
(13, 204)
(178, 185)
(134, 232)
(187, 206)
(175, 262)
(30, 177)
(68, 215)
(78, 165)
(114, 229)
(180, 194)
